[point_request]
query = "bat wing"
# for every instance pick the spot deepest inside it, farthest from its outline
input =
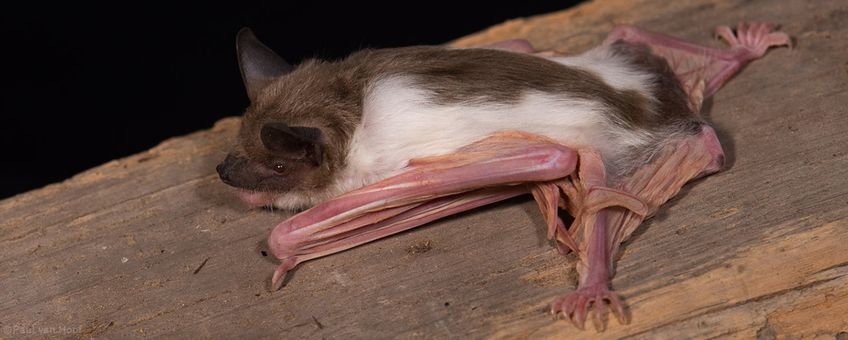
(704, 70)
(484, 172)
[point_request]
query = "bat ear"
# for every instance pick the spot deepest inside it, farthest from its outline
(258, 63)
(297, 142)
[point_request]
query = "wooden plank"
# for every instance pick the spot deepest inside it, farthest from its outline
(155, 245)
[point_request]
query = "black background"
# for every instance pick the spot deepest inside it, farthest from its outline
(85, 83)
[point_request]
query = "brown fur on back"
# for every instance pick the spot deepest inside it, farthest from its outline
(496, 76)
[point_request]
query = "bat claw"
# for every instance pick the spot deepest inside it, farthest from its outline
(599, 315)
(575, 307)
(280, 273)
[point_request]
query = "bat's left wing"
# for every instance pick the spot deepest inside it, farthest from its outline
(487, 171)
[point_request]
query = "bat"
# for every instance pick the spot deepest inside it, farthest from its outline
(389, 139)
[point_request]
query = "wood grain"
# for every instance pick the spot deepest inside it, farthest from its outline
(155, 245)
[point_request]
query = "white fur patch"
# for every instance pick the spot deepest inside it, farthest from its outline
(612, 69)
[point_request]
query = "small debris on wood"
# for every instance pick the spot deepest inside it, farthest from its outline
(94, 328)
(420, 248)
(320, 326)
(201, 266)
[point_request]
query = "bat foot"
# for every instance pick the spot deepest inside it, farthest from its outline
(575, 306)
(753, 38)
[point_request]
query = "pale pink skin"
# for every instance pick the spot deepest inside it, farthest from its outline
(714, 148)
(257, 198)
(514, 163)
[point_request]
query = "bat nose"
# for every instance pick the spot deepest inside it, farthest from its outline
(223, 173)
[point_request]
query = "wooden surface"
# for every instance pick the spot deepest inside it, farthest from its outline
(155, 245)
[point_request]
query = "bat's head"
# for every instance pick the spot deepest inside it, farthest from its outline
(294, 134)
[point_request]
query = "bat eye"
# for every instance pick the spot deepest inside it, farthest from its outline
(279, 167)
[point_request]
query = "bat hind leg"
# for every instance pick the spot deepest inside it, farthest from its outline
(594, 292)
(591, 203)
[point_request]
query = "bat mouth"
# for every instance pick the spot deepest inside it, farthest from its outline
(256, 198)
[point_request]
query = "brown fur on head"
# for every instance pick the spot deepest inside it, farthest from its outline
(294, 133)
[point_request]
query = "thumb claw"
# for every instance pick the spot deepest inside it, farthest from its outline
(280, 273)
(278, 278)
